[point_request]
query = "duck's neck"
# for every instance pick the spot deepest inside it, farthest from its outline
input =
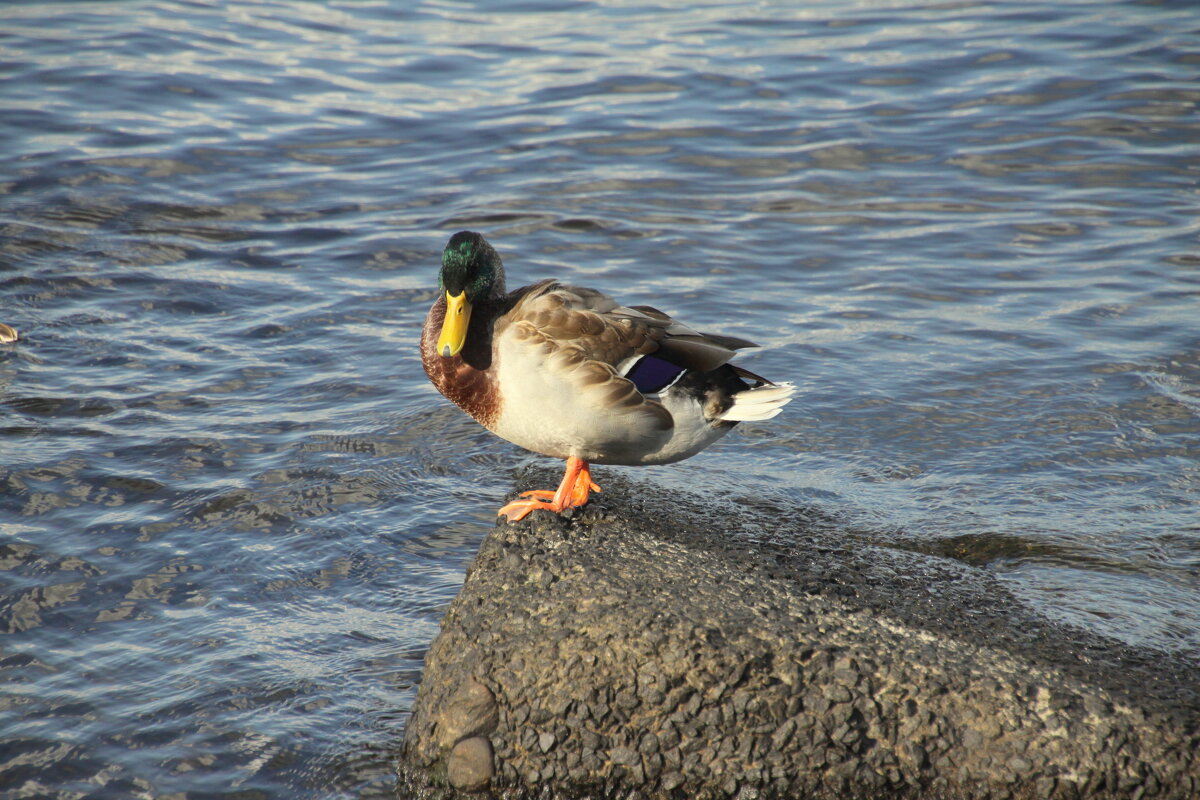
(463, 378)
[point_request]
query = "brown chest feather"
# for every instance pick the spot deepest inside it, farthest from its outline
(465, 378)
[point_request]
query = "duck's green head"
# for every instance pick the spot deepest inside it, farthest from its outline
(471, 273)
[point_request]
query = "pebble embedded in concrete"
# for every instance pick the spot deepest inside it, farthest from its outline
(469, 765)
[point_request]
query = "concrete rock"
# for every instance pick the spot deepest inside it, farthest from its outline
(661, 654)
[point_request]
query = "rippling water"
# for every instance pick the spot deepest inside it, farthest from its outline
(232, 509)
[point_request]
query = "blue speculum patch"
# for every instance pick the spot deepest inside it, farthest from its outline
(651, 374)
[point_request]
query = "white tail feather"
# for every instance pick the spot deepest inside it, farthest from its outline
(759, 403)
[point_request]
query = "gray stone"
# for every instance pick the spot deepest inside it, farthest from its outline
(672, 780)
(624, 755)
(469, 712)
(469, 765)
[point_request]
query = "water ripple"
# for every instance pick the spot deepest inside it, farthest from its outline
(231, 508)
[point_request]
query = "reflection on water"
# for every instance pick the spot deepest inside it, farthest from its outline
(233, 511)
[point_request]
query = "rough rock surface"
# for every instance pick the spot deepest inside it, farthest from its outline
(646, 654)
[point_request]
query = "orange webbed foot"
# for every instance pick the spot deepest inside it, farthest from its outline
(517, 510)
(571, 493)
(540, 494)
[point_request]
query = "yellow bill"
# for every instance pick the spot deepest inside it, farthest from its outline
(454, 326)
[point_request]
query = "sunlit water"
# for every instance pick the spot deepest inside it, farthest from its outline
(232, 508)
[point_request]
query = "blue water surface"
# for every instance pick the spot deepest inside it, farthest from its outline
(232, 510)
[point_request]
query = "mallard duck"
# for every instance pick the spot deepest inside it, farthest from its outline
(567, 372)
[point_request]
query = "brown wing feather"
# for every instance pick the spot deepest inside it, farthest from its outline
(607, 332)
(587, 333)
(584, 320)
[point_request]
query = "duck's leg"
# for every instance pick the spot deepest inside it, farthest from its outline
(571, 493)
(583, 483)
